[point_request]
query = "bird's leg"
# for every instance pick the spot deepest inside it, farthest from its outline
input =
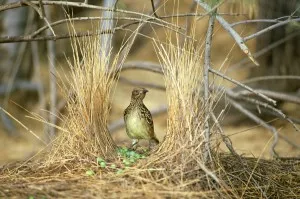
(152, 143)
(134, 143)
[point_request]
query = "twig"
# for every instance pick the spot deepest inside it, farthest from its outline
(259, 121)
(262, 51)
(25, 127)
(225, 138)
(188, 23)
(289, 142)
(272, 77)
(145, 29)
(244, 86)
(29, 3)
(210, 10)
(275, 95)
(125, 51)
(82, 5)
(270, 28)
(207, 61)
(239, 40)
(118, 124)
(154, 9)
(12, 39)
(265, 105)
(53, 95)
(277, 20)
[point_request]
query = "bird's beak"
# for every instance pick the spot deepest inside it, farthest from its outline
(145, 90)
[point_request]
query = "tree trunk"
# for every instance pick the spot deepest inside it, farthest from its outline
(284, 59)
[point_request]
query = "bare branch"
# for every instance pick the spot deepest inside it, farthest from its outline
(270, 28)
(83, 5)
(239, 40)
(277, 20)
(259, 121)
(225, 138)
(51, 52)
(262, 51)
(11, 39)
(258, 103)
(40, 12)
(154, 9)
(207, 61)
(244, 86)
(275, 95)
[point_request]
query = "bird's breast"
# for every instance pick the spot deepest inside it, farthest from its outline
(137, 126)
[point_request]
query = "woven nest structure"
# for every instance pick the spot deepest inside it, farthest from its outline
(238, 177)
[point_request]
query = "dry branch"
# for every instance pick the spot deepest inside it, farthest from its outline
(239, 40)
(207, 97)
(259, 121)
(244, 86)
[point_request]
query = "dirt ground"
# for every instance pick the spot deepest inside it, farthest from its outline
(247, 138)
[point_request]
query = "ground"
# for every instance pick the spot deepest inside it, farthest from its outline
(247, 138)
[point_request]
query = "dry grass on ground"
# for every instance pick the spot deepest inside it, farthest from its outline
(244, 178)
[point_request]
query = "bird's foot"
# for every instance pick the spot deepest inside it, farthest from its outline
(134, 144)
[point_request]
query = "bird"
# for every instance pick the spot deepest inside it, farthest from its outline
(138, 119)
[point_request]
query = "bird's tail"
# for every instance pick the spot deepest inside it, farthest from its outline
(155, 140)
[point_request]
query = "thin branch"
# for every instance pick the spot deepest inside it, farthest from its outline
(51, 52)
(207, 60)
(12, 39)
(225, 138)
(239, 40)
(125, 51)
(82, 5)
(275, 95)
(272, 77)
(25, 127)
(40, 12)
(262, 52)
(270, 28)
(277, 20)
(259, 121)
(243, 86)
(154, 9)
(262, 104)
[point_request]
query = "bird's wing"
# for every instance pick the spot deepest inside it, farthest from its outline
(147, 115)
(126, 113)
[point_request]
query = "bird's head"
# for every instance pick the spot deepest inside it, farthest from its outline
(138, 94)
